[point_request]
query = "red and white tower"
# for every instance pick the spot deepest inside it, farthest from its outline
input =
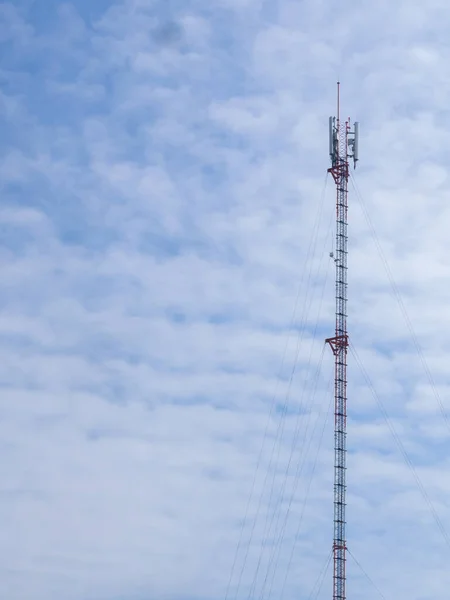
(343, 147)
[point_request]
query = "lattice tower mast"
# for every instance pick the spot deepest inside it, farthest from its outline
(343, 146)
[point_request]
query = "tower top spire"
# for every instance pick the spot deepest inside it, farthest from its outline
(338, 101)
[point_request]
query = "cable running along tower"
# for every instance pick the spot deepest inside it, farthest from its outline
(343, 147)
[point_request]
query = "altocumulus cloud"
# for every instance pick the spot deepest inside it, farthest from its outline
(163, 205)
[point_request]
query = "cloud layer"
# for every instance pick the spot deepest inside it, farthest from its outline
(166, 289)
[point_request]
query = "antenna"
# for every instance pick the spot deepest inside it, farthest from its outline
(356, 143)
(331, 136)
(344, 147)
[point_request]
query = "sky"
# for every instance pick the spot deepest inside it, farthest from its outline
(166, 289)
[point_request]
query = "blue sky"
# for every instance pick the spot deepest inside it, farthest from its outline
(163, 204)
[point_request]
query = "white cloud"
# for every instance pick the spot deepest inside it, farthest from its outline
(162, 171)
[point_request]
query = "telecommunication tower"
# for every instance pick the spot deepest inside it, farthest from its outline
(343, 147)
